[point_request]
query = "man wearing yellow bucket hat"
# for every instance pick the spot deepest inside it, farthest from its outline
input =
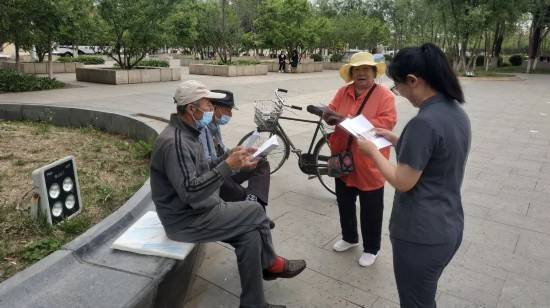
(361, 95)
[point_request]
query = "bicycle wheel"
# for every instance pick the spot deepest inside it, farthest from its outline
(278, 156)
(321, 155)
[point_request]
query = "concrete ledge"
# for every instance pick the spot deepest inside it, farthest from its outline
(41, 68)
(308, 67)
(273, 66)
(189, 61)
(228, 70)
(86, 272)
(186, 60)
(138, 75)
(332, 65)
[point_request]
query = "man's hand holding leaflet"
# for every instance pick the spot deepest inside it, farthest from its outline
(267, 147)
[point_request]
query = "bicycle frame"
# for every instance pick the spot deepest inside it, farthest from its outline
(297, 151)
(319, 123)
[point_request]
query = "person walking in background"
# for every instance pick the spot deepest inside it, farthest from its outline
(282, 62)
(361, 96)
(294, 60)
(427, 220)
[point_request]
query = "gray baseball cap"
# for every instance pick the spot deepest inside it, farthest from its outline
(191, 90)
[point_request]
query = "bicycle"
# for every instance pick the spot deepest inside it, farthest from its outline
(267, 114)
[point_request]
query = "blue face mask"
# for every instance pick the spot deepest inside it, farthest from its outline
(206, 119)
(224, 119)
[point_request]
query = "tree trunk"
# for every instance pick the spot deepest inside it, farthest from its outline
(50, 62)
(17, 53)
(534, 44)
(487, 53)
(40, 55)
(473, 55)
(528, 68)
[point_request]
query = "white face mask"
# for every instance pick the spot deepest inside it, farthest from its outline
(224, 119)
(205, 120)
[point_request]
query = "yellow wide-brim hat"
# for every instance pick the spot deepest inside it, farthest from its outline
(358, 59)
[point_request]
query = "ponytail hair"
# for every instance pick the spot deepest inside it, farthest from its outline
(429, 63)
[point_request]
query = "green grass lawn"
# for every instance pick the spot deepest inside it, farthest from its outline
(111, 168)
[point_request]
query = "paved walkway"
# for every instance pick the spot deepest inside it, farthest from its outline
(504, 260)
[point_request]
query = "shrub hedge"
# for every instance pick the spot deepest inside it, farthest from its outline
(15, 81)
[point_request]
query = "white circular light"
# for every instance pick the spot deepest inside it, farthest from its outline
(54, 191)
(67, 184)
(57, 209)
(69, 202)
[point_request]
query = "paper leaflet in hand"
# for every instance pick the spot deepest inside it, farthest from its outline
(267, 147)
(251, 140)
(361, 127)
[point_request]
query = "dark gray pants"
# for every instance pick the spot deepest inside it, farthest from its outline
(244, 226)
(258, 184)
(417, 268)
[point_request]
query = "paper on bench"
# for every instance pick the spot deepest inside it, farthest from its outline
(267, 147)
(360, 126)
(147, 236)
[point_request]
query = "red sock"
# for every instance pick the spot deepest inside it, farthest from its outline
(278, 265)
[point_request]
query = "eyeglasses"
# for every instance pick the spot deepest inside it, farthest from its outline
(394, 90)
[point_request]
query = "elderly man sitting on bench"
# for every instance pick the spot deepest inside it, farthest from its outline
(214, 149)
(185, 190)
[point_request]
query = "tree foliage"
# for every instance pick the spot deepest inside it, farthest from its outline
(130, 29)
(133, 28)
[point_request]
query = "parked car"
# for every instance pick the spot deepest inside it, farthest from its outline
(67, 51)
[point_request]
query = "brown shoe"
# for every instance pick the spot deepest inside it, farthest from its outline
(291, 269)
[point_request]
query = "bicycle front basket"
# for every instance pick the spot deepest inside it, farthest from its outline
(266, 114)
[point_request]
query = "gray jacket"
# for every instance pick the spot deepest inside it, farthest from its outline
(182, 183)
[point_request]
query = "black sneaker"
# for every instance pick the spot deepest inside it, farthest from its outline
(274, 306)
(291, 269)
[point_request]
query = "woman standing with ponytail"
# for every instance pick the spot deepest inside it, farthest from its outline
(427, 220)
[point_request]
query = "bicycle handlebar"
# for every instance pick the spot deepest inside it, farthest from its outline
(282, 101)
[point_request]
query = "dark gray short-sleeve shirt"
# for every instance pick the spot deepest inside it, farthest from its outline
(436, 141)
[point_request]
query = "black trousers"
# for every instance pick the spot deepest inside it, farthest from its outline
(417, 268)
(372, 209)
(258, 184)
(282, 66)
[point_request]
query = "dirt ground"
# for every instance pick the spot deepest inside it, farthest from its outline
(110, 169)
